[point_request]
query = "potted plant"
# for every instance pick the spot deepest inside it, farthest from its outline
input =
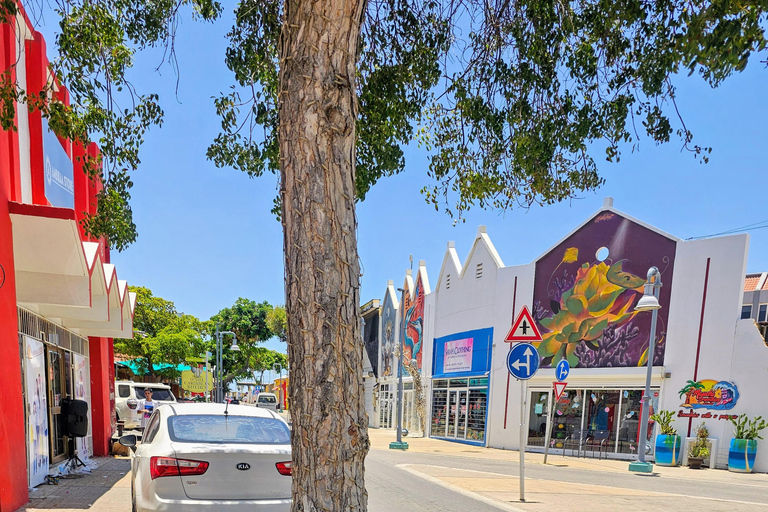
(698, 450)
(743, 449)
(668, 444)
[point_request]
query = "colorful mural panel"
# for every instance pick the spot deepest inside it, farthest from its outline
(586, 290)
(414, 323)
(388, 332)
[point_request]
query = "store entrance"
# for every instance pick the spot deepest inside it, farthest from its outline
(59, 366)
(457, 413)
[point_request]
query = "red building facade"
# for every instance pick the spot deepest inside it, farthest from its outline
(61, 303)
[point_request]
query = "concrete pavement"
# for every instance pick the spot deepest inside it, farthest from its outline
(503, 490)
(106, 489)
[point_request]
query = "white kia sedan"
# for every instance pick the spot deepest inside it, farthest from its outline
(198, 456)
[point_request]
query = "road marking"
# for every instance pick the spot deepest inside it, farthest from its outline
(504, 506)
(469, 494)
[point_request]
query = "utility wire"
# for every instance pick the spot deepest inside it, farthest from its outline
(748, 227)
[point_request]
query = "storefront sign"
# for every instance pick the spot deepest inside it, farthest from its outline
(710, 394)
(458, 356)
(59, 179)
(463, 354)
(195, 384)
(37, 407)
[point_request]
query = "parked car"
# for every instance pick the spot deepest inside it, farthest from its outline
(196, 457)
(267, 401)
(128, 394)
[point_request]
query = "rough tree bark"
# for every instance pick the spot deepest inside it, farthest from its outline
(317, 114)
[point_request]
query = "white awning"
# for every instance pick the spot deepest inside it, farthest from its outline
(63, 278)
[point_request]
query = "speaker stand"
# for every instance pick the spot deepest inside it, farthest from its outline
(73, 462)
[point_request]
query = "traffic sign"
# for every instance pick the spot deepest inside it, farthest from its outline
(559, 388)
(562, 370)
(524, 328)
(523, 361)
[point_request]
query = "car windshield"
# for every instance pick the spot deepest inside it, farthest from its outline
(217, 428)
(157, 393)
(268, 399)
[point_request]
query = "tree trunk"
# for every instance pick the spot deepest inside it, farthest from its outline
(317, 115)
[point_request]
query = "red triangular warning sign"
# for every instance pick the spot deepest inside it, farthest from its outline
(524, 328)
(559, 388)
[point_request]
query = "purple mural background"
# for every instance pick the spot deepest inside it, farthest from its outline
(584, 307)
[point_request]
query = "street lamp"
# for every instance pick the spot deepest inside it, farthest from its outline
(399, 444)
(649, 302)
(220, 361)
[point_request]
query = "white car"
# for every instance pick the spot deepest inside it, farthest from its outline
(267, 401)
(211, 457)
(128, 394)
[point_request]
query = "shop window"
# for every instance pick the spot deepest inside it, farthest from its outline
(478, 404)
(746, 311)
(590, 421)
(439, 411)
(439, 383)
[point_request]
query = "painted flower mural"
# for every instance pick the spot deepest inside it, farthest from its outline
(586, 289)
(601, 295)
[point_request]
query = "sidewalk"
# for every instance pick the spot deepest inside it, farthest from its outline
(503, 490)
(106, 489)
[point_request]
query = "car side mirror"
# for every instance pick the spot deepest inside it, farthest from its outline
(129, 441)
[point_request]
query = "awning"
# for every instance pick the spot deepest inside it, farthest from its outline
(63, 278)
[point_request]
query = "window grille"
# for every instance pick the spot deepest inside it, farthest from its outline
(35, 326)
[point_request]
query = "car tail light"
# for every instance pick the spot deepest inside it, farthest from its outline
(168, 466)
(132, 404)
(284, 468)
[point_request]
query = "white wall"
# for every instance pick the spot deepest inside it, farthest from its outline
(725, 284)
(25, 171)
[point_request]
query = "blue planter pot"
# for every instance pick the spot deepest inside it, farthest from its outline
(668, 449)
(741, 455)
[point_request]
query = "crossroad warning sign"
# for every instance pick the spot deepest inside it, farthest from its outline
(524, 328)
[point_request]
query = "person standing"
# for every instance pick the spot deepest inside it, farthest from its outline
(145, 408)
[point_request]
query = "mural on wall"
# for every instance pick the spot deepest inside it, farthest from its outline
(586, 289)
(709, 394)
(388, 330)
(414, 323)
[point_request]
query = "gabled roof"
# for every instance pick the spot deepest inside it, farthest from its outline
(422, 275)
(607, 207)
(391, 294)
(451, 263)
(482, 238)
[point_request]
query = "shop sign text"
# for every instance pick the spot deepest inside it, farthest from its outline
(458, 356)
(710, 394)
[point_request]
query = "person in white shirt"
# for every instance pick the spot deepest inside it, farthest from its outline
(146, 408)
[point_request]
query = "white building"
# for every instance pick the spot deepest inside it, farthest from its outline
(708, 364)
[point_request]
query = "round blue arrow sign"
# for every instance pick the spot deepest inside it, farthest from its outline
(523, 361)
(562, 370)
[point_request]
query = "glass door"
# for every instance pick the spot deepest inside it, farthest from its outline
(461, 417)
(59, 388)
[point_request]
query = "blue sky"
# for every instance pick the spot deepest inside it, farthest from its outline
(206, 235)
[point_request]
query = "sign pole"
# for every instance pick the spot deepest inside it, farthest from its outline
(548, 437)
(522, 440)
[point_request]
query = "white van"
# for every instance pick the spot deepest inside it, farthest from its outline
(267, 401)
(128, 394)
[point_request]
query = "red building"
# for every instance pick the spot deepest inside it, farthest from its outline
(61, 302)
